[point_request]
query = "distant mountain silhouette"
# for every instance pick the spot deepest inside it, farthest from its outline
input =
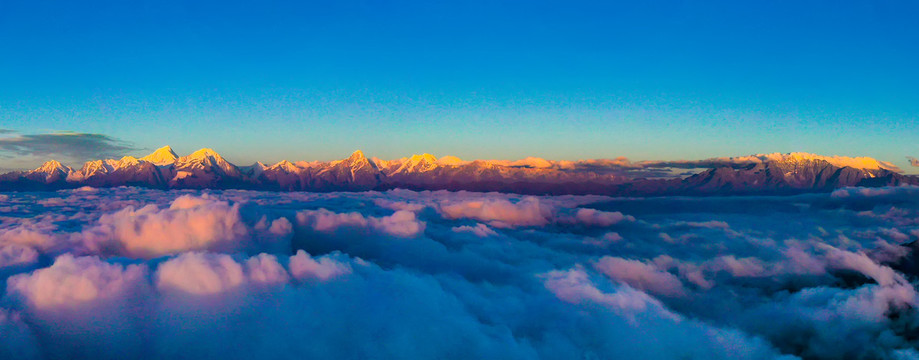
(206, 169)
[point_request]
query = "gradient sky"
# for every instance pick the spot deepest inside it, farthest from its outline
(315, 80)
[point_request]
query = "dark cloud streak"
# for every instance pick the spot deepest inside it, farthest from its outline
(66, 145)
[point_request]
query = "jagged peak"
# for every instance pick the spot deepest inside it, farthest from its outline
(380, 163)
(255, 169)
(418, 163)
(206, 158)
(861, 162)
(357, 160)
(357, 155)
(286, 165)
(93, 163)
(203, 153)
(162, 156)
(51, 166)
(423, 157)
(128, 160)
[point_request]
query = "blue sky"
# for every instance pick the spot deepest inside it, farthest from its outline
(477, 79)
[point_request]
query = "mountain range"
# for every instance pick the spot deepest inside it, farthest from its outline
(764, 174)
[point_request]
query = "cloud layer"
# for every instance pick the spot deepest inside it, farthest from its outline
(134, 273)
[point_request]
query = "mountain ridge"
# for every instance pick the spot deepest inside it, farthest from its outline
(775, 173)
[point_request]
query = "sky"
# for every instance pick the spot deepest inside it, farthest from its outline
(316, 80)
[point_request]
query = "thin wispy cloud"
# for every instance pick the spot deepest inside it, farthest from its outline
(913, 161)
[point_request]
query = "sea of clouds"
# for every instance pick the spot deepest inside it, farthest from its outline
(135, 273)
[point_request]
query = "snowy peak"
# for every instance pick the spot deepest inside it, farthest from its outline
(286, 166)
(790, 163)
(51, 171)
(204, 153)
(128, 161)
(861, 163)
(205, 156)
(254, 170)
(450, 161)
(162, 156)
(95, 166)
(752, 174)
(428, 158)
(418, 163)
(356, 156)
(358, 161)
(208, 160)
(52, 166)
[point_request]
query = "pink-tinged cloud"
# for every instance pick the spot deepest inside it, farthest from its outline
(784, 275)
(480, 230)
(500, 213)
(189, 223)
(73, 282)
(402, 223)
(592, 217)
(574, 286)
(641, 276)
(199, 274)
(265, 269)
(304, 267)
(15, 255)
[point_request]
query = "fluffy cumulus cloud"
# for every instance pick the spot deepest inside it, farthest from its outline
(134, 273)
(499, 212)
(15, 254)
(74, 282)
(641, 276)
(402, 223)
(189, 223)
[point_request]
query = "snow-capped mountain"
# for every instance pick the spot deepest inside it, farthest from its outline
(354, 173)
(205, 168)
(162, 156)
(126, 171)
(51, 171)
